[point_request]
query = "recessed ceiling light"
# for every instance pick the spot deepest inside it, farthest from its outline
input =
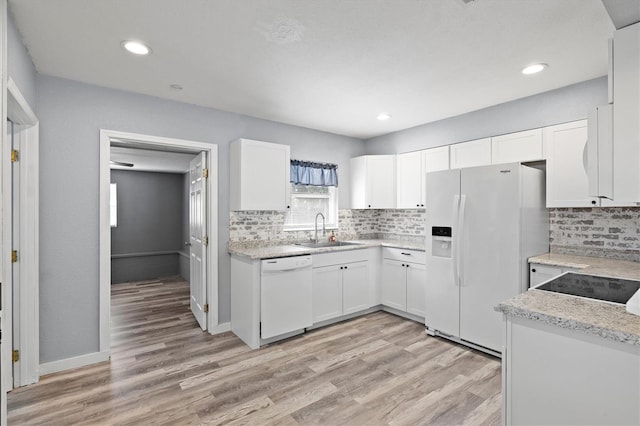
(136, 47)
(383, 116)
(533, 69)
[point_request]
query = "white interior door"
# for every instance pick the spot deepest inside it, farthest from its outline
(15, 245)
(198, 238)
(7, 298)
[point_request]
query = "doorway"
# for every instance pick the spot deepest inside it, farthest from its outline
(204, 290)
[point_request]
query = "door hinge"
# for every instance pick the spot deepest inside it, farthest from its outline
(206, 308)
(15, 156)
(14, 256)
(205, 241)
(205, 173)
(15, 356)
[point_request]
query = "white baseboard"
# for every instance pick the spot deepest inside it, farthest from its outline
(221, 328)
(75, 362)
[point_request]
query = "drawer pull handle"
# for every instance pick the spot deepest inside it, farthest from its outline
(405, 254)
(533, 270)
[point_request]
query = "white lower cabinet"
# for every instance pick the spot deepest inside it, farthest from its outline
(355, 287)
(559, 376)
(327, 293)
(393, 287)
(403, 281)
(416, 292)
(541, 273)
(341, 284)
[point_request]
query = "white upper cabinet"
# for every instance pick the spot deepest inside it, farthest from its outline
(567, 182)
(626, 117)
(471, 154)
(412, 168)
(410, 176)
(373, 182)
(514, 147)
(436, 159)
(600, 152)
(259, 175)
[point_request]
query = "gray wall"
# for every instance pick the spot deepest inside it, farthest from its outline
(557, 106)
(19, 64)
(150, 217)
(71, 115)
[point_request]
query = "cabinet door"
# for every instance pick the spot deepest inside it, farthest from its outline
(358, 182)
(514, 147)
(567, 181)
(355, 287)
(541, 273)
(393, 287)
(416, 283)
(410, 177)
(471, 154)
(327, 293)
(381, 181)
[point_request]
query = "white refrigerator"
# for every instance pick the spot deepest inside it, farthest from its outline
(483, 223)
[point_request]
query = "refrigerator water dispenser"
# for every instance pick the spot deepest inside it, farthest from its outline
(441, 241)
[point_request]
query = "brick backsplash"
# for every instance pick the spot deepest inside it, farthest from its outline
(267, 227)
(603, 232)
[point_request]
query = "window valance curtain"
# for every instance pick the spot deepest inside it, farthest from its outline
(316, 174)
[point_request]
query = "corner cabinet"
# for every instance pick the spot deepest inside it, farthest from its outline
(259, 175)
(567, 181)
(373, 182)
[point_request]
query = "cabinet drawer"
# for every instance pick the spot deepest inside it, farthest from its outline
(339, 257)
(414, 256)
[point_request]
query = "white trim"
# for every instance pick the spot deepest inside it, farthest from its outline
(145, 254)
(106, 136)
(74, 362)
(18, 109)
(220, 328)
(5, 349)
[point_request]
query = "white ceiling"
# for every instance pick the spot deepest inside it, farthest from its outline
(331, 65)
(145, 160)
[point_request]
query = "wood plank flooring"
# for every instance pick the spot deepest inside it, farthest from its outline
(374, 370)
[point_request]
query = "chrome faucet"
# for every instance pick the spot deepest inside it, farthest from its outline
(324, 231)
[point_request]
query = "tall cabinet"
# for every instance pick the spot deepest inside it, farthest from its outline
(626, 117)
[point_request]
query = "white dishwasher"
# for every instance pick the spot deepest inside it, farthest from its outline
(285, 295)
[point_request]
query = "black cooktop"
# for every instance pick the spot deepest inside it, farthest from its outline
(614, 290)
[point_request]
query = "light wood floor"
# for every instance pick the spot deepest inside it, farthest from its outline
(374, 370)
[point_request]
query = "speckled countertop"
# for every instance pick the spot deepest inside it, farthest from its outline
(610, 321)
(591, 265)
(284, 250)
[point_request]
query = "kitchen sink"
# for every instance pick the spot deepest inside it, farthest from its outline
(326, 244)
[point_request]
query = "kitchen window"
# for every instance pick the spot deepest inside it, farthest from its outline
(314, 189)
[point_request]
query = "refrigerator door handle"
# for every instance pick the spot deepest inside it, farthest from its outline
(454, 243)
(460, 250)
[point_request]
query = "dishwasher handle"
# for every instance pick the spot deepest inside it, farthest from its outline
(285, 264)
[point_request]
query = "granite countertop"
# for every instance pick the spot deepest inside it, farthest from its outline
(591, 265)
(283, 250)
(608, 320)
